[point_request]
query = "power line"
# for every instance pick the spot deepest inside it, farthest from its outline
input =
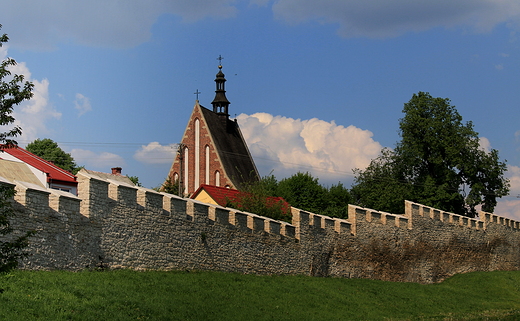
(175, 146)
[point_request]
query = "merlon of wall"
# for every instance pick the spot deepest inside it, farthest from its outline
(360, 214)
(485, 219)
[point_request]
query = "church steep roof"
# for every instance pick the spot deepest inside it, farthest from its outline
(232, 148)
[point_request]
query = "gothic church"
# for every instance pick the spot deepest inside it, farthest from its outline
(213, 150)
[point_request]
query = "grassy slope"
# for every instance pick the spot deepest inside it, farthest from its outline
(130, 295)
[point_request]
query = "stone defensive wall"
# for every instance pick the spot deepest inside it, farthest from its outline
(114, 225)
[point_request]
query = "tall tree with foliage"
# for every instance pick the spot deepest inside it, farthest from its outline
(50, 151)
(13, 91)
(304, 191)
(438, 162)
(170, 186)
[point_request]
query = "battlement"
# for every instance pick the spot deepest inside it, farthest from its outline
(360, 214)
(114, 224)
(490, 218)
(482, 223)
(174, 206)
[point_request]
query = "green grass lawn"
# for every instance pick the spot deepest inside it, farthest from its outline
(130, 295)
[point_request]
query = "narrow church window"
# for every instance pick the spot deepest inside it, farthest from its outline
(207, 166)
(217, 178)
(197, 154)
(186, 168)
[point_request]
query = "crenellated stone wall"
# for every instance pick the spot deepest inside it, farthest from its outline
(114, 225)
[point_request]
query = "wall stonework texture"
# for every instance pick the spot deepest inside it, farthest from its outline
(112, 225)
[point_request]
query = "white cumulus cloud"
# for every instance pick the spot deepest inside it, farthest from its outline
(324, 149)
(103, 161)
(383, 18)
(82, 104)
(510, 206)
(485, 145)
(32, 115)
(155, 153)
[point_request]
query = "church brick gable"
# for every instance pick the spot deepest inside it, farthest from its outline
(202, 167)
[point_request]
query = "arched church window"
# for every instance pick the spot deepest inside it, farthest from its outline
(197, 154)
(186, 169)
(206, 167)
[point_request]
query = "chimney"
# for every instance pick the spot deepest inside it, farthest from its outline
(116, 170)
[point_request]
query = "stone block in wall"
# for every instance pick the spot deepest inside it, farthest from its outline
(342, 227)
(222, 216)
(197, 211)
(301, 220)
(94, 195)
(455, 219)
(436, 215)
(66, 204)
(375, 217)
(256, 223)
(273, 227)
(149, 198)
(315, 220)
(288, 230)
(403, 222)
(391, 220)
(34, 198)
(122, 193)
(328, 223)
(241, 221)
(177, 206)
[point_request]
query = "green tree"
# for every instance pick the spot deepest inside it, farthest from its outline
(170, 186)
(438, 162)
(336, 200)
(50, 151)
(11, 247)
(13, 91)
(135, 180)
(303, 191)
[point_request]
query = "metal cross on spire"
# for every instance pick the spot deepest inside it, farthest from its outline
(197, 93)
(220, 61)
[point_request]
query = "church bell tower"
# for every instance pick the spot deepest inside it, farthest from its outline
(220, 103)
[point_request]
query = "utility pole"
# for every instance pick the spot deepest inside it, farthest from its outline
(180, 152)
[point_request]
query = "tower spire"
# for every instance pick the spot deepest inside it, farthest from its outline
(220, 102)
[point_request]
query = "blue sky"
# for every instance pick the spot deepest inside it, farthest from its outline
(316, 86)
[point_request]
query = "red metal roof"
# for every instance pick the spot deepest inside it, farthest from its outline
(54, 173)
